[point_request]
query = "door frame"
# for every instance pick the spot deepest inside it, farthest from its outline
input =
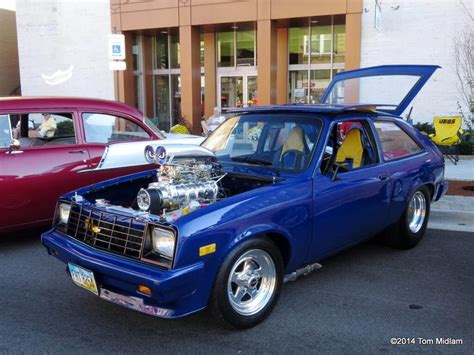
(244, 72)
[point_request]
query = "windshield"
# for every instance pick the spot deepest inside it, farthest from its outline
(381, 90)
(281, 141)
(154, 128)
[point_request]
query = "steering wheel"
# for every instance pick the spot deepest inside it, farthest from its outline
(288, 162)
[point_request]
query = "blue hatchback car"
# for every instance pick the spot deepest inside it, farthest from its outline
(272, 192)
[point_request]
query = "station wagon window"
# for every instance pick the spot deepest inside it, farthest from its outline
(102, 128)
(395, 142)
(5, 132)
(277, 141)
(36, 129)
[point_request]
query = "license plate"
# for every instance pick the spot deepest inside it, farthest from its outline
(83, 278)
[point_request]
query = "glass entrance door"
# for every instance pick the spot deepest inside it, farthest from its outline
(232, 91)
(239, 90)
(251, 90)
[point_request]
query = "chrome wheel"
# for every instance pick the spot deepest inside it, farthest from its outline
(416, 212)
(252, 282)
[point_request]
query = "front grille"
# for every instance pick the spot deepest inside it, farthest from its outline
(108, 231)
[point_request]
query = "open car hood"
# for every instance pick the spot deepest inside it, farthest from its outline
(121, 155)
(390, 88)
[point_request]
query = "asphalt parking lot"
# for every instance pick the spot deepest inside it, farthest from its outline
(358, 302)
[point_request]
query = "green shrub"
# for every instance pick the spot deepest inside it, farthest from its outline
(65, 128)
(466, 148)
(425, 127)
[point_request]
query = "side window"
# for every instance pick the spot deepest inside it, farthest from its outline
(43, 128)
(102, 128)
(395, 142)
(350, 146)
(5, 131)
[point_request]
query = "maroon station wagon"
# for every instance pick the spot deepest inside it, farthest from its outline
(44, 163)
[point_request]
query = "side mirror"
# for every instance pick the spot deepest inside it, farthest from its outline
(338, 166)
(14, 144)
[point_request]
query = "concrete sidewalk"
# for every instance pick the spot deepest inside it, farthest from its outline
(454, 213)
(463, 170)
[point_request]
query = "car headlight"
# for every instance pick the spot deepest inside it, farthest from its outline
(62, 215)
(63, 212)
(163, 242)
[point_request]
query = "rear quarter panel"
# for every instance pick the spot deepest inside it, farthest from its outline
(409, 173)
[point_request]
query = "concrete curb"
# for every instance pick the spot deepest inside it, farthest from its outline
(450, 210)
(461, 179)
(466, 157)
(451, 220)
(454, 203)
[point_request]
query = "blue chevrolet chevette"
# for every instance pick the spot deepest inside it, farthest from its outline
(272, 192)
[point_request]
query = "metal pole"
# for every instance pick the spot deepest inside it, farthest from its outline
(117, 86)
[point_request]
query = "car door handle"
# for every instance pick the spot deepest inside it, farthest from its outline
(384, 177)
(80, 151)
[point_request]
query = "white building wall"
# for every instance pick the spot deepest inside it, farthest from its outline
(418, 32)
(62, 48)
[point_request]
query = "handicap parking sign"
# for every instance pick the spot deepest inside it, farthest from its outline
(116, 46)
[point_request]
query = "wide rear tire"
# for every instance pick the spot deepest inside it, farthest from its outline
(408, 231)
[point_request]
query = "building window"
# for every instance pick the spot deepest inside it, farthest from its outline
(315, 53)
(137, 50)
(321, 44)
(296, 45)
(160, 51)
(339, 43)
(162, 102)
(201, 50)
(167, 80)
(174, 51)
(245, 44)
(237, 67)
(319, 81)
(298, 86)
(175, 96)
(236, 48)
(225, 49)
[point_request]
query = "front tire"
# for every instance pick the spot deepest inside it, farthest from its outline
(248, 284)
(410, 228)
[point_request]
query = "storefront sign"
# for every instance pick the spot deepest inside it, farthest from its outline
(299, 93)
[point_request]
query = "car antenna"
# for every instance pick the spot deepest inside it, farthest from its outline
(408, 116)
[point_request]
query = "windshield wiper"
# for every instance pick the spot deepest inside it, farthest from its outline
(251, 160)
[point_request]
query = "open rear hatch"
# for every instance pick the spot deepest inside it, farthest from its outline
(389, 88)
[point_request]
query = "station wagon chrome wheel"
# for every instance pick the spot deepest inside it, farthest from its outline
(251, 282)
(416, 212)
